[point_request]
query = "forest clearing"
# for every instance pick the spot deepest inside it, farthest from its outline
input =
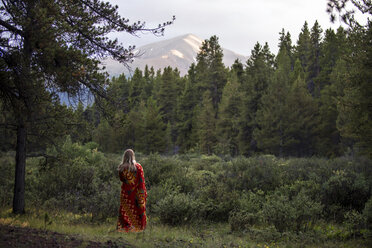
(198, 201)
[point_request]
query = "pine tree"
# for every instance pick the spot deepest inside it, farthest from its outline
(229, 116)
(185, 113)
(207, 125)
(238, 69)
(136, 88)
(333, 48)
(118, 93)
(154, 130)
(201, 70)
(133, 127)
(302, 117)
(167, 95)
(258, 74)
(354, 120)
(149, 77)
(270, 117)
(170, 85)
(103, 136)
(303, 48)
(355, 113)
(287, 116)
(51, 46)
(170, 147)
(80, 128)
(329, 139)
(285, 42)
(7, 131)
(298, 72)
(210, 71)
(313, 69)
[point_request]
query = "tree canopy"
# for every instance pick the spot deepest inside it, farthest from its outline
(48, 47)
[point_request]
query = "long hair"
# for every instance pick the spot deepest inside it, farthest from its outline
(129, 161)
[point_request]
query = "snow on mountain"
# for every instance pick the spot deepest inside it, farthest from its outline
(178, 52)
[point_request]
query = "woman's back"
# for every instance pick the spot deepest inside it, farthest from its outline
(132, 212)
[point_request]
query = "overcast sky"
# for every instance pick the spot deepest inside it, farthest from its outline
(239, 24)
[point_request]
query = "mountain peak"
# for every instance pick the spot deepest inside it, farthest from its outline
(178, 52)
(194, 41)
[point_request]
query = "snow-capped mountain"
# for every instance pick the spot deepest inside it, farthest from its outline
(178, 52)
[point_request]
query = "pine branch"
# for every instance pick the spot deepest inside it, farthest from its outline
(11, 28)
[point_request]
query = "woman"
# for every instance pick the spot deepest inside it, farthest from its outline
(132, 212)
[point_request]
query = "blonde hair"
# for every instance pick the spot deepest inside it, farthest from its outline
(129, 161)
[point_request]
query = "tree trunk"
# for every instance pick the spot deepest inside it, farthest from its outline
(19, 184)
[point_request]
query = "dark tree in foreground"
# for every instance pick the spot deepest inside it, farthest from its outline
(355, 113)
(338, 8)
(54, 46)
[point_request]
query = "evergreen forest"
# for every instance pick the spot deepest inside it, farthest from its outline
(305, 101)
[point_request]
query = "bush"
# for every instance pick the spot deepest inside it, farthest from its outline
(252, 202)
(253, 173)
(248, 212)
(306, 210)
(278, 211)
(205, 162)
(77, 178)
(158, 192)
(343, 191)
(158, 169)
(215, 199)
(7, 180)
(305, 169)
(218, 207)
(177, 209)
(354, 222)
(310, 188)
(367, 215)
(241, 220)
(296, 214)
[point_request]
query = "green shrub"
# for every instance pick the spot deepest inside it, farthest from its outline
(307, 211)
(242, 220)
(177, 209)
(105, 202)
(354, 222)
(158, 192)
(248, 211)
(215, 199)
(305, 169)
(218, 207)
(252, 202)
(343, 191)
(158, 169)
(7, 180)
(253, 173)
(309, 188)
(279, 212)
(296, 214)
(367, 215)
(204, 162)
(77, 179)
(154, 194)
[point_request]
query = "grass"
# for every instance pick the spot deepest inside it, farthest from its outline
(158, 235)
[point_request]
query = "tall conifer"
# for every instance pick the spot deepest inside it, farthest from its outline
(229, 116)
(206, 126)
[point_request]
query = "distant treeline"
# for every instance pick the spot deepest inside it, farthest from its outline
(312, 98)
